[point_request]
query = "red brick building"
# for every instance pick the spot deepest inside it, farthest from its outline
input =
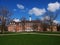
(27, 25)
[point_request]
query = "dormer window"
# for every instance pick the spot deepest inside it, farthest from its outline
(13, 23)
(10, 23)
(19, 24)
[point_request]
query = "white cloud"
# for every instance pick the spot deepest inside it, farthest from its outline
(16, 20)
(47, 18)
(55, 21)
(20, 6)
(53, 6)
(37, 11)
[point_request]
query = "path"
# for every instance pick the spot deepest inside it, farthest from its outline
(31, 33)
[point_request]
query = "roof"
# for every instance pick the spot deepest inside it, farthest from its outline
(27, 21)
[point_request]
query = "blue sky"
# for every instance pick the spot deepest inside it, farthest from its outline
(24, 8)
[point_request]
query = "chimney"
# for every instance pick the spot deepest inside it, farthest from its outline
(29, 18)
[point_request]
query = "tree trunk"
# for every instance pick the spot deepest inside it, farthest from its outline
(2, 30)
(51, 26)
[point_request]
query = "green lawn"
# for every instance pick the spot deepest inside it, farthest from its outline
(29, 39)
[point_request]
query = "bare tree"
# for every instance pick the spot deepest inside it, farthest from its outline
(52, 16)
(35, 27)
(4, 16)
(23, 21)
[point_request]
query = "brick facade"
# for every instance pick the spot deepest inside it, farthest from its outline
(28, 26)
(18, 27)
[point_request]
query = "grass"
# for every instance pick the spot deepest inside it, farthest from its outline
(29, 39)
